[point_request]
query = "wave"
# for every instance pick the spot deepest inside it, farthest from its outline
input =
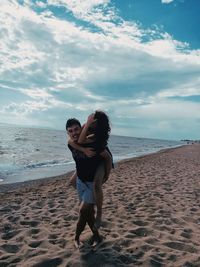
(21, 139)
(47, 164)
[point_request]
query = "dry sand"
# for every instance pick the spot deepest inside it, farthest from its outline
(151, 217)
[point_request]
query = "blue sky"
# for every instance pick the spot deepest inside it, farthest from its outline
(138, 60)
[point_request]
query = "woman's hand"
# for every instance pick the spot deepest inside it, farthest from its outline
(84, 132)
(90, 119)
(89, 152)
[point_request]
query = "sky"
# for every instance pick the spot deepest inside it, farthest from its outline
(137, 60)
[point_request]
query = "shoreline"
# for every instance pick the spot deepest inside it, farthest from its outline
(4, 188)
(40, 181)
(151, 217)
(15, 185)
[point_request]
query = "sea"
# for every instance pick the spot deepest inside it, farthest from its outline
(32, 153)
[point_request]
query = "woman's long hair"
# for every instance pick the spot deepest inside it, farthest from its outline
(102, 129)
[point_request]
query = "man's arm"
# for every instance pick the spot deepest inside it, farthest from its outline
(108, 163)
(88, 151)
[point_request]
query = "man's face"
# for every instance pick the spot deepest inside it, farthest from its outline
(74, 132)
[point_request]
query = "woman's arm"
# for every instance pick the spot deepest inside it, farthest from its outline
(108, 163)
(88, 151)
(84, 132)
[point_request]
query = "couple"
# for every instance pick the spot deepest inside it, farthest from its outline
(93, 164)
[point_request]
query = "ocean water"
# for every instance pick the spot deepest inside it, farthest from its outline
(31, 153)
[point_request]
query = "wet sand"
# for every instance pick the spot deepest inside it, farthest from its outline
(151, 217)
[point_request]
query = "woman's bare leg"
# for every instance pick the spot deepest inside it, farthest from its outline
(98, 193)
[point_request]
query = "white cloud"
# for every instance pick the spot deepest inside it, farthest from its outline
(62, 67)
(78, 7)
(41, 4)
(36, 93)
(166, 1)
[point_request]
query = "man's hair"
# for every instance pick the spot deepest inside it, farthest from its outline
(71, 122)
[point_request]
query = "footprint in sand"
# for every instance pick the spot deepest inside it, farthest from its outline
(141, 231)
(13, 219)
(56, 222)
(9, 261)
(152, 241)
(146, 247)
(52, 210)
(53, 236)
(187, 233)
(117, 247)
(172, 257)
(30, 223)
(11, 248)
(60, 242)
(140, 223)
(51, 204)
(10, 234)
(35, 244)
(15, 260)
(130, 236)
(137, 255)
(34, 231)
(49, 263)
(127, 259)
(180, 246)
(114, 235)
(7, 227)
(155, 263)
(72, 217)
(6, 209)
(37, 205)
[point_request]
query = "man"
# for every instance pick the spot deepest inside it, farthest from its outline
(84, 179)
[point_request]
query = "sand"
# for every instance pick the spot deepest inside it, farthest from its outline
(151, 217)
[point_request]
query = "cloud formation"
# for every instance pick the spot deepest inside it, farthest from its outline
(60, 59)
(167, 1)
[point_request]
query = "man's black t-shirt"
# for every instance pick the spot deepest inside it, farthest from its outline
(86, 166)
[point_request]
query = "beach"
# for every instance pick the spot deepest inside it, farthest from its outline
(151, 216)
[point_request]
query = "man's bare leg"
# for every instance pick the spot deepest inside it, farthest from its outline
(98, 193)
(91, 222)
(81, 224)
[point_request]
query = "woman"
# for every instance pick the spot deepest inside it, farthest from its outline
(95, 133)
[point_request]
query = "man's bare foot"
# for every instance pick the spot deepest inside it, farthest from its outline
(78, 244)
(97, 223)
(96, 241)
